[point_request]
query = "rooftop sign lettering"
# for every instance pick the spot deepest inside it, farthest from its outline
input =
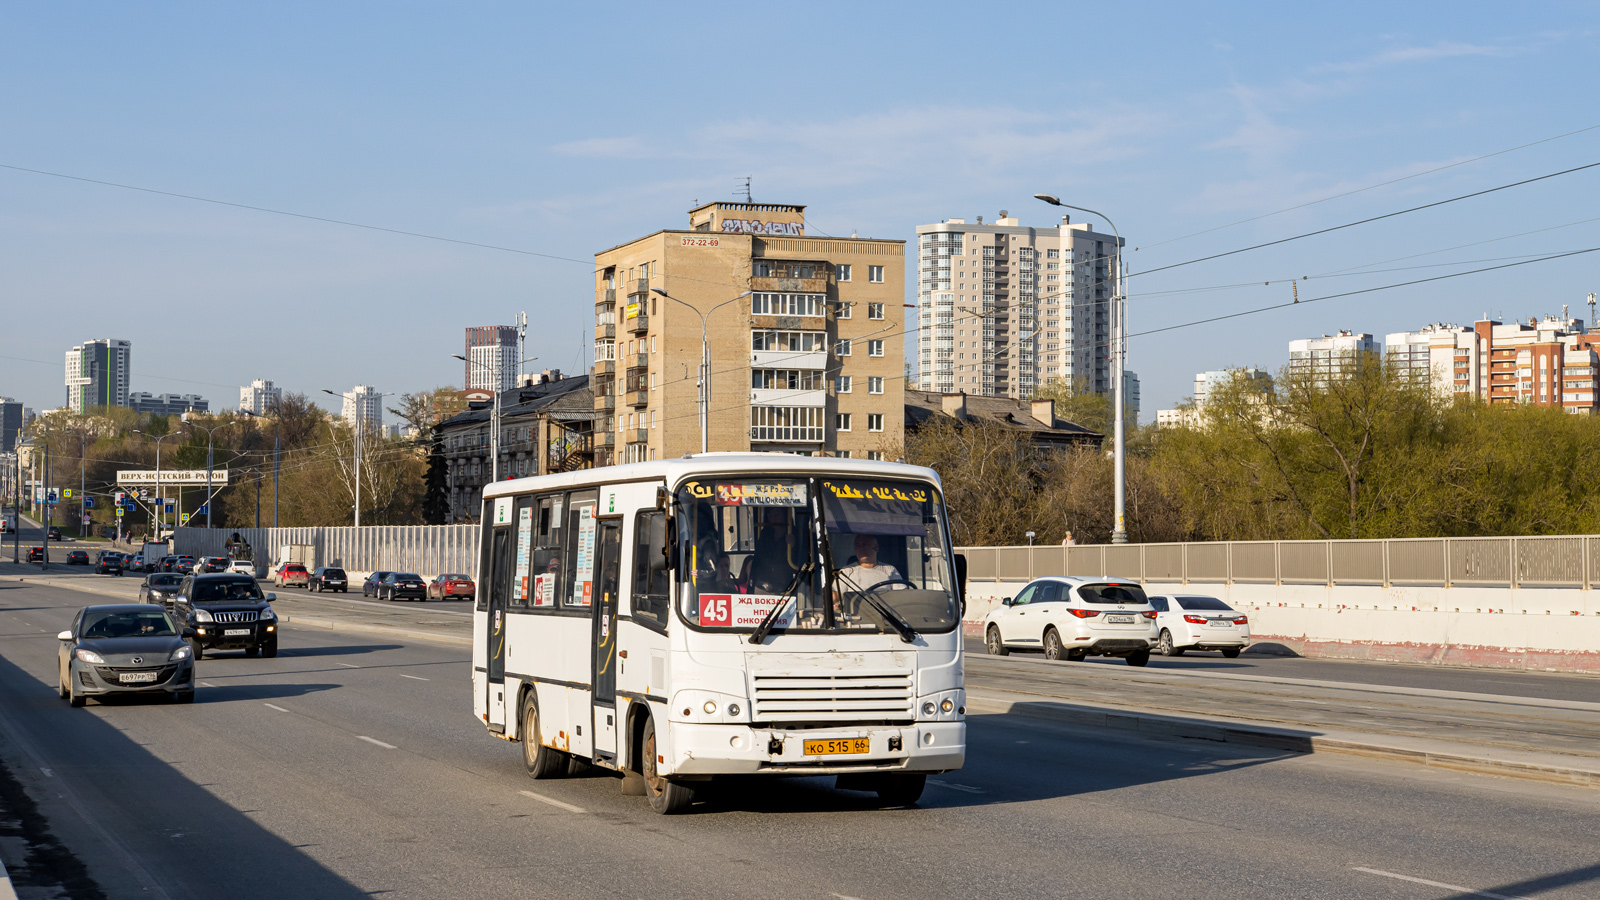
(753, 226)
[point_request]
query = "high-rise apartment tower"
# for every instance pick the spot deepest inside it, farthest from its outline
(492, 358)
(98, 373)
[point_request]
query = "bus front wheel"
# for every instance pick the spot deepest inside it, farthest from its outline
(666, 796)
(901, 790)
(541, 761)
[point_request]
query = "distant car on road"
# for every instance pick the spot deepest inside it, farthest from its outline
(160, 588)
(54, 533)
(242, 567)
(184, 564)
(328, 578)
(1073, 617)
(227, 612)
(209, 564)
(134, 562)
(167, 564)
(397, 585)
(108, 562)
(447, 586)
(1189, 622)
(77, 557)
(370, 586)
(36, 554)
(123, 649)
(292, 573)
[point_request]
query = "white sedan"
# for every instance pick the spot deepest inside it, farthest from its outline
(1072, 618)
(1189, 622)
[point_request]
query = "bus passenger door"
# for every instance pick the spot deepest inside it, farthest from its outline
(608, 574)
(498, 585)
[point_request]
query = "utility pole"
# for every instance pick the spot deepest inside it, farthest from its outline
(277, 453)
(83, 451)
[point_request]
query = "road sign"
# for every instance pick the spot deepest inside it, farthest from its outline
(119, 515)
(86, 518)
(170, 506)
(66, 492)
(204, 508)
(184, 519)
(171, 476)
(88, 503)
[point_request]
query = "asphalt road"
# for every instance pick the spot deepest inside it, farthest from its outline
(351, 766)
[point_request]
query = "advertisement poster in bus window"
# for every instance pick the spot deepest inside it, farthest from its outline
(524, 550)
(583, 571)
(544, 589)
(742, 610)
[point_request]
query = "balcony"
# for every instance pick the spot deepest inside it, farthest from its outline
(638, 435)
(605, 367)
(639, 398)
(639, 324)
(604, 439)
(607, 332)
(611, 297)
(638, 288)
(606, 403)
(641, 360)
(817, 285)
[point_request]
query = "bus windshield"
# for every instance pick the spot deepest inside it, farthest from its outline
(837, 554)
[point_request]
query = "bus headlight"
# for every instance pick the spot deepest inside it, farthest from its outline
(947, 705)
(733, 709)
(927, 707)
(710, 707)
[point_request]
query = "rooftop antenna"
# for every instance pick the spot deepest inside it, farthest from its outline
(522, 345)
(1591, 309)
(747, 197)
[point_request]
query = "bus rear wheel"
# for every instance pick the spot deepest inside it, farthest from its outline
(667, 797)
(540, 761)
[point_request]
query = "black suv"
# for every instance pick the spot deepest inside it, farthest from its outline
(53, 533)
(108, 562)
(227, 612)
(328, 578)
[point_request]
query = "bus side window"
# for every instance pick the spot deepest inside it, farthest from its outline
(546, 555)
(650, 576)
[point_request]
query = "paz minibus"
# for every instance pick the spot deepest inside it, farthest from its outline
(724, 614)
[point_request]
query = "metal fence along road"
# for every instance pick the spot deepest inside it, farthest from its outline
(424, 549)
(1565, 561)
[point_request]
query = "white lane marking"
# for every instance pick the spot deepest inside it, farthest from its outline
(1438, 884)
(362, 737)
(553, 802)
(348, 666)
(207, 684)
(412, 677)
(843, 896)
(955, 787)
(47, 772)
(278, 708)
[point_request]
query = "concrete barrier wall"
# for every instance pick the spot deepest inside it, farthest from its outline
(424, 549)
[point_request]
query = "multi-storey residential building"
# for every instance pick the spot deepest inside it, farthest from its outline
(492, 358)
(1449, 357)
(1130, 396)
(167, 404)
(1545, 362)
(1189, 416)
(364, 405)
(10, 424)
(1326, 356)
(805, 335)
(98, 373)
(1005, 307)
(259, 396)
(544, 428)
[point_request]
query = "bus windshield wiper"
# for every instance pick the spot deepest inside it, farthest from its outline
(907, 633)
(771, 618)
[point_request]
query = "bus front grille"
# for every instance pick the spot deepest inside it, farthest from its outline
(822, 698)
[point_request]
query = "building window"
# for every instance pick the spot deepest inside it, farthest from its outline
(874, 310)
(843, 271)
(841, 422)
(801, 341)
(875, 454)
(875, 274)
(841, 385)
(786, 423)
(786, 304)
(874, 384)
(874, 348)
(842, 454)
(874, 421)
(842, 348)
(844, 309)
(786, 379)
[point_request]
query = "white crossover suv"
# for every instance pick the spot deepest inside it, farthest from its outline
(1074, 617)
(1187, 622)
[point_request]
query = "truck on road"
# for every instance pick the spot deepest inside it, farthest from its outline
(153, 553)
(295, 554)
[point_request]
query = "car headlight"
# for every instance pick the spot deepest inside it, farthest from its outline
(180, 653)
(201, 615)
(268, 614)
(91, 657)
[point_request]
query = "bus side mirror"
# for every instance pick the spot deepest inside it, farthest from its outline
(961, 581)
(660, 545)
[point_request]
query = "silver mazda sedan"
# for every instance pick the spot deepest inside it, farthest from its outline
(124, 649)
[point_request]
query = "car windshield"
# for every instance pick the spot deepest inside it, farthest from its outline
(153, 623)
(227, 590)
(452, 578)
(167, 580)
(1113, 593)
(1204, 603)
(751, 545)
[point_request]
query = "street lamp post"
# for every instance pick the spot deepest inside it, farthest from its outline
(161, 500)
(209, 446)
(705, 361)
(1119, 350)
(360, 427)
(277, 447)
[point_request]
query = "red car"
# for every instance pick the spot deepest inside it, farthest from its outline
(293, 573)
(447, 586)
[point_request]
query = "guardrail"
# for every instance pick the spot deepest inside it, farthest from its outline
(425, 549)
(1568, 561)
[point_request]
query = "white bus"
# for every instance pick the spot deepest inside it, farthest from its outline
(724, 613)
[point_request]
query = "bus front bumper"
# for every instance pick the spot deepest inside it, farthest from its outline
(705, 749)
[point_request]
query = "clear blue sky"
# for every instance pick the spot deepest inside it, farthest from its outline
(567, 128)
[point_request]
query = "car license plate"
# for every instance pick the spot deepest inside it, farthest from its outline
(1120, 620)
(236, 632)
(1220, 623)
(136, 677)
(838, 746)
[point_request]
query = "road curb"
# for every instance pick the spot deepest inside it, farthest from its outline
(345, 625)
(1290, 739)
(69, 584)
